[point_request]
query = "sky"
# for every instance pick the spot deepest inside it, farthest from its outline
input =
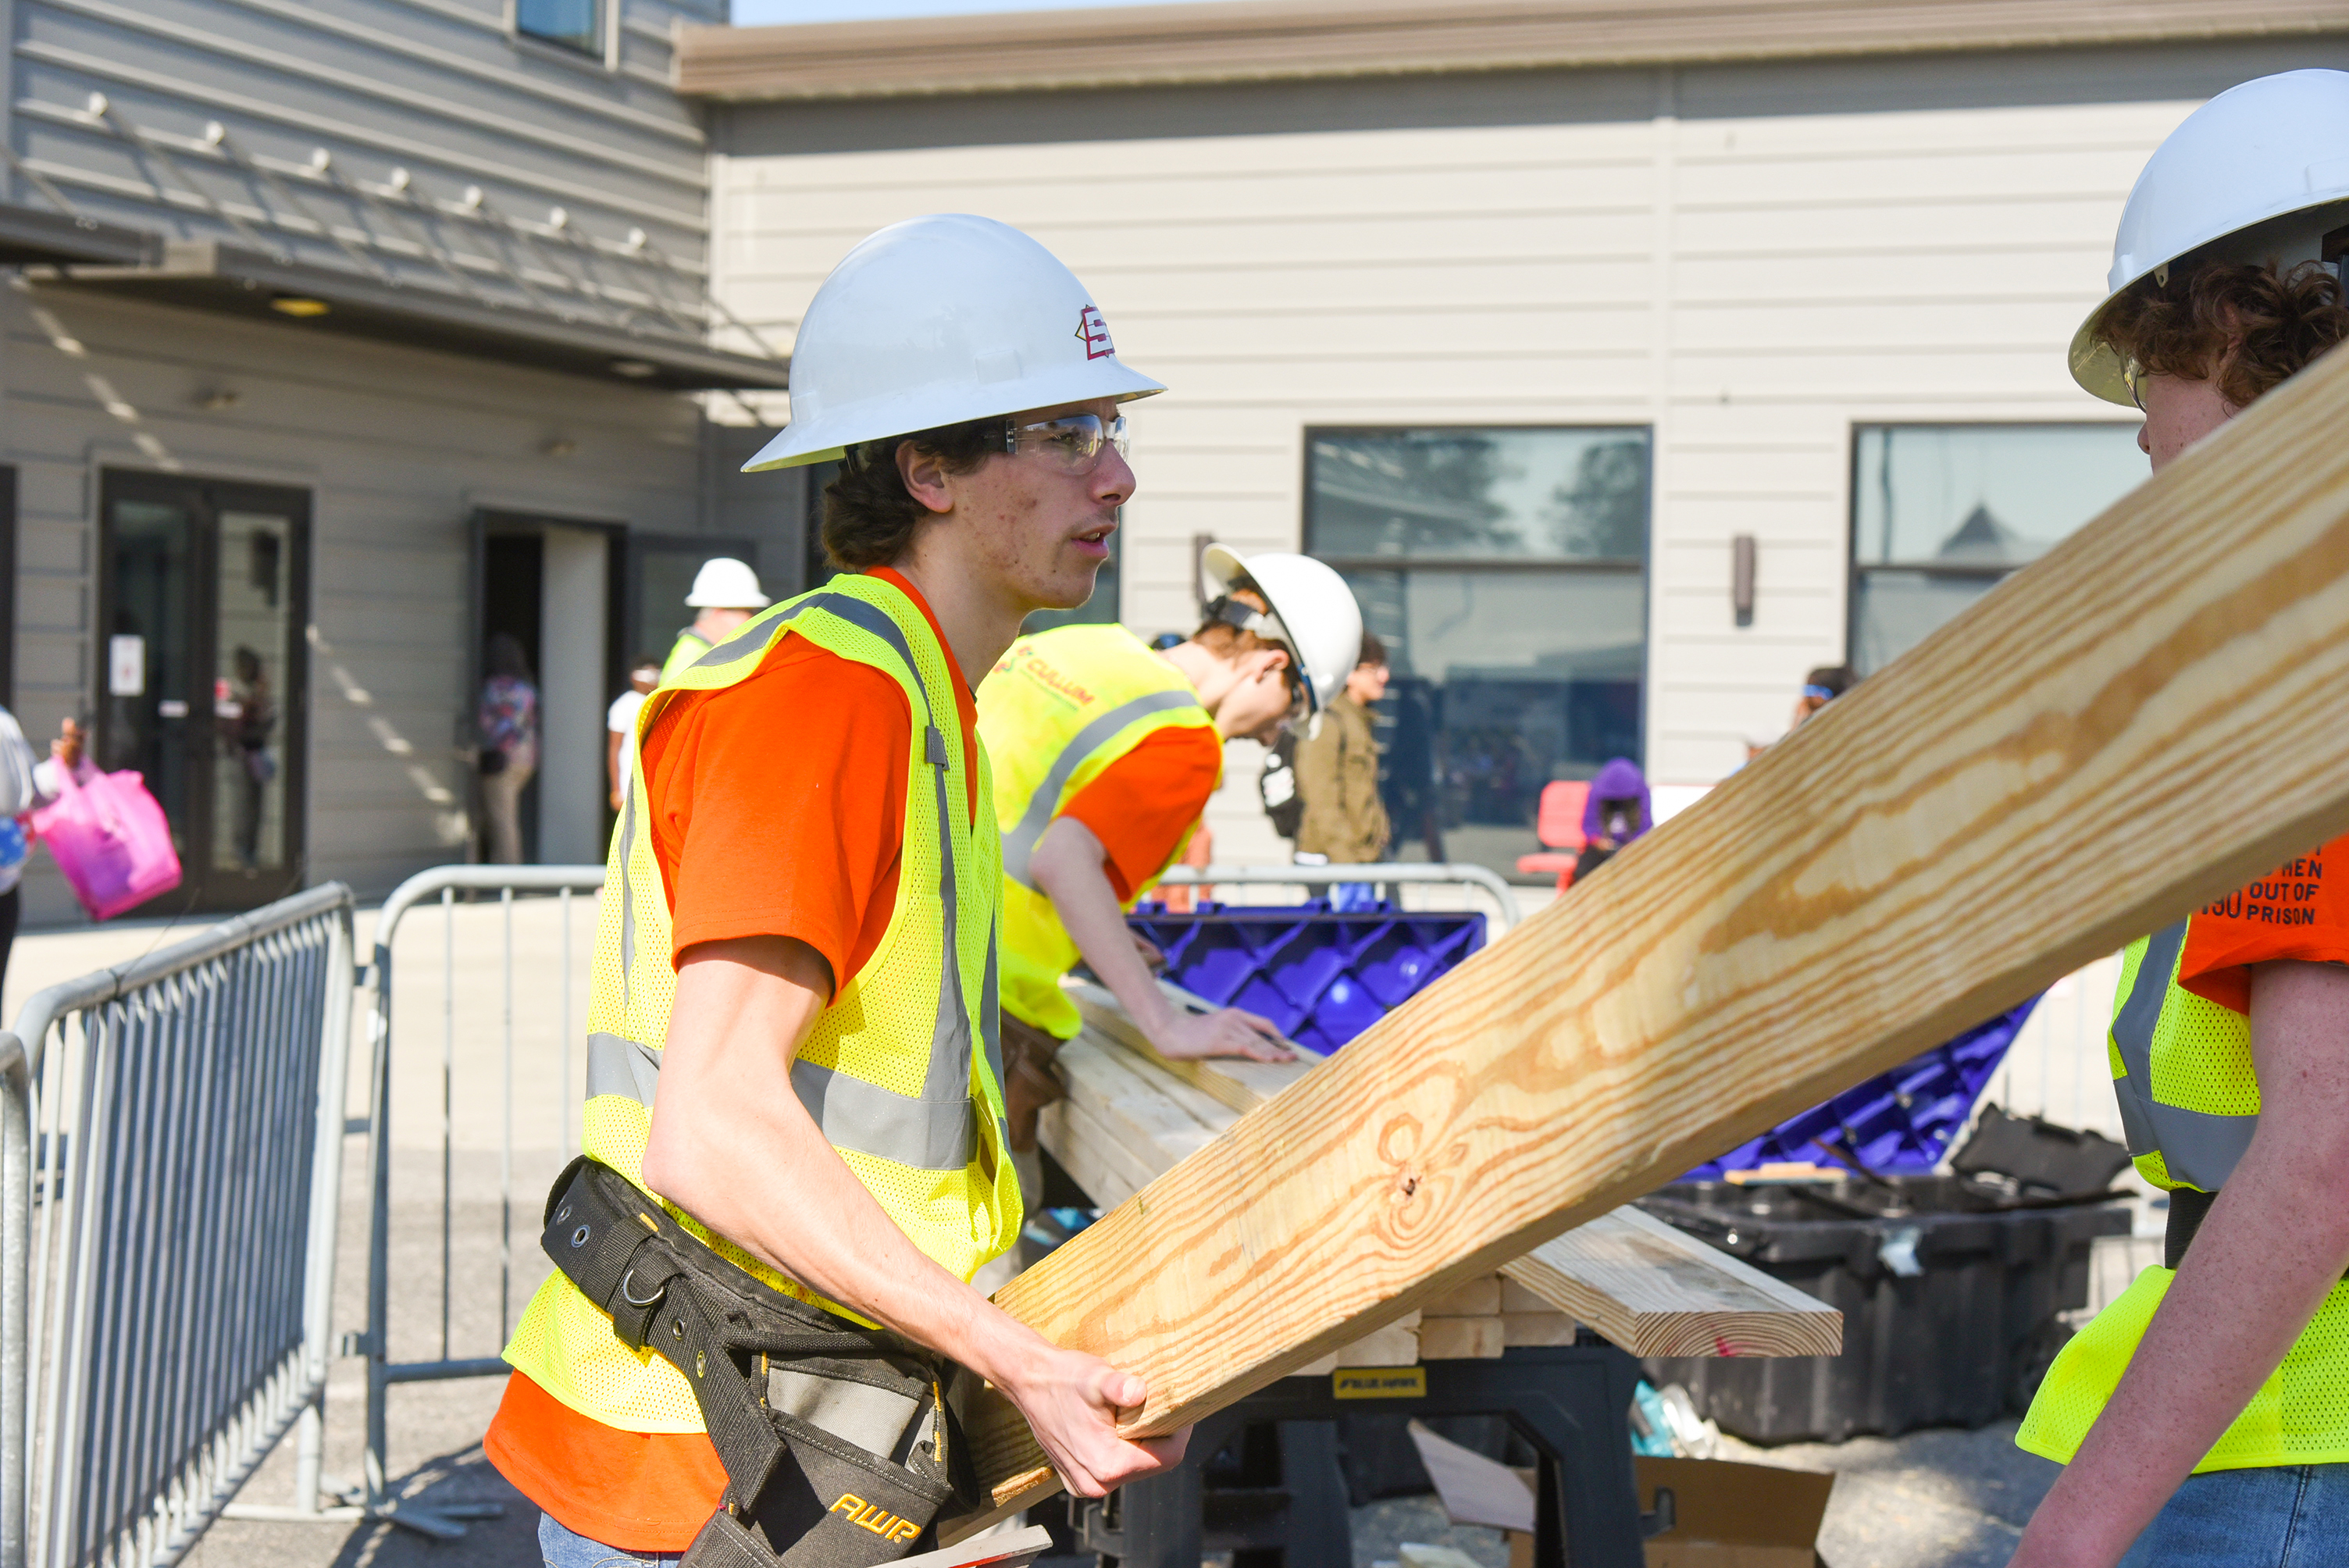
(755, 12)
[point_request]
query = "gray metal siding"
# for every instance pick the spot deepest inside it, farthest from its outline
(408, 138)
(398, 448)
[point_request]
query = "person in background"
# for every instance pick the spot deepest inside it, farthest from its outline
(244, 737)
(620, 723)
(1618, 812)
(507, 718)
(27, 785)
(1344, 821)
(1820, 688)
(725, 596)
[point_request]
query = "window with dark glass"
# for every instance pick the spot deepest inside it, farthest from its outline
(1505, 569)
(1941, 513)
(573, 24)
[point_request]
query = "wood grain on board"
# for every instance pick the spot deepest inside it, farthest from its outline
(2052, 774)
(1656, 1290)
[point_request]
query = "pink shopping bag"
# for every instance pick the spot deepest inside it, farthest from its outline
(110, 838)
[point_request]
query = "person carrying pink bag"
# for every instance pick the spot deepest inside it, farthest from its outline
(107, 835)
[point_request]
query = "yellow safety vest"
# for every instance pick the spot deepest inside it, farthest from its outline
(889, 1070)
(689, 645)
(1060, 707)
(2190, 1103)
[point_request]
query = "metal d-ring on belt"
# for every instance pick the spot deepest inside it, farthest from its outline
(838, 1442)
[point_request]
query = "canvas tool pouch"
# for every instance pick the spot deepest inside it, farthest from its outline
(838, 1442)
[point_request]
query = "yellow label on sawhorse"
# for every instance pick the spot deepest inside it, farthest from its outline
(1379, 1383)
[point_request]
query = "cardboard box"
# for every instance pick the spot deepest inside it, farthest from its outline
(1725, 1515)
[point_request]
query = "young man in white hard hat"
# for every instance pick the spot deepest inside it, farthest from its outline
(1105, 753)
(725, 595)
(796, 965)
(2204, 1415)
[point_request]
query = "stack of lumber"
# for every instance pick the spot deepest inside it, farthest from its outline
(1132, 1115)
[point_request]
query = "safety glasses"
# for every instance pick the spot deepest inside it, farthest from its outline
(2132, 377)
(1072, 443)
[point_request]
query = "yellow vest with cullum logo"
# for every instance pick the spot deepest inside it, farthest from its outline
(1060, 707)
(902, 1071)
(2190, 1099)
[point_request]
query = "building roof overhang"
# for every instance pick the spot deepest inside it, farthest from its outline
(29, 235)
(1268, 40)
(204, 274)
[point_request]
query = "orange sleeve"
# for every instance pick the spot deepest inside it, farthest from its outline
(778, 805)
(1140, 805)
(2294, 912)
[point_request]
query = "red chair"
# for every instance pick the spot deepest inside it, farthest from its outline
(1557, 823)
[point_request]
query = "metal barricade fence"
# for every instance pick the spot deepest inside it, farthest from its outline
(171, 1131)
(440, 888)
(1380, 872)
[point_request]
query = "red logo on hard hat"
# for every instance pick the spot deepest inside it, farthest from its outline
(1094, 331)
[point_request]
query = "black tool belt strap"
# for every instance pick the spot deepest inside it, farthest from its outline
(2188, 1207)
(669, 1292)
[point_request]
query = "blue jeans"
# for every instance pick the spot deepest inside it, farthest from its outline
(568, 1549)
(2288, 1516)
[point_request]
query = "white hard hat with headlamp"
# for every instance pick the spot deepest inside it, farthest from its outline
(2258, 174)
(939, 320)
(1309, 609)
(725, 583)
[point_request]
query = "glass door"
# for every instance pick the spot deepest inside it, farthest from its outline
(203, 590)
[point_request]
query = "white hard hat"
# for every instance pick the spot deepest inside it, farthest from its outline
(725, 583)
(1309, 609)
(935, 321)
(2260, 173)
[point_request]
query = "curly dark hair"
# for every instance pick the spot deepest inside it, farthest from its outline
(2247, 327)
(869, 517)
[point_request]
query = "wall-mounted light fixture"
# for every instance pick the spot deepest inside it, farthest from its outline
(1741, 577)
(634, 370)
(301, 307)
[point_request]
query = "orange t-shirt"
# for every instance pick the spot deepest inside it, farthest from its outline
(2293, 913)
(777, 809)
(1140, 805)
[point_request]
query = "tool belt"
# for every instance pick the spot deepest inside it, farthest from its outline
(838, 1442)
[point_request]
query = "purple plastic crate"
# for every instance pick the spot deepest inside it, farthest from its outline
(1322, 977)
(1899, 1122)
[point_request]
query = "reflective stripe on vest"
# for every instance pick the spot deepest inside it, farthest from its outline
(888, 1070)
(2194, 1148)
(1060, 707)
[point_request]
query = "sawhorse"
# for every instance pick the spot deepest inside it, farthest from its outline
(1572, 1403)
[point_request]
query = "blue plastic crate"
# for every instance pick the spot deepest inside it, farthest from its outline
(1322, 977)
(1899, 1122)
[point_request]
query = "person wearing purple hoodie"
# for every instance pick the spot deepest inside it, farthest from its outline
(1617, 812)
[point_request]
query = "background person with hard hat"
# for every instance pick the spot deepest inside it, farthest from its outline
(726, 594)
(2231, 1031)
(797, 951)
(1105, 753)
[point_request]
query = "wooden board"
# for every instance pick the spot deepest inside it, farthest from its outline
(1650, 1288)
(2054, 773)
(1656, 1290)
(1238, 1083)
